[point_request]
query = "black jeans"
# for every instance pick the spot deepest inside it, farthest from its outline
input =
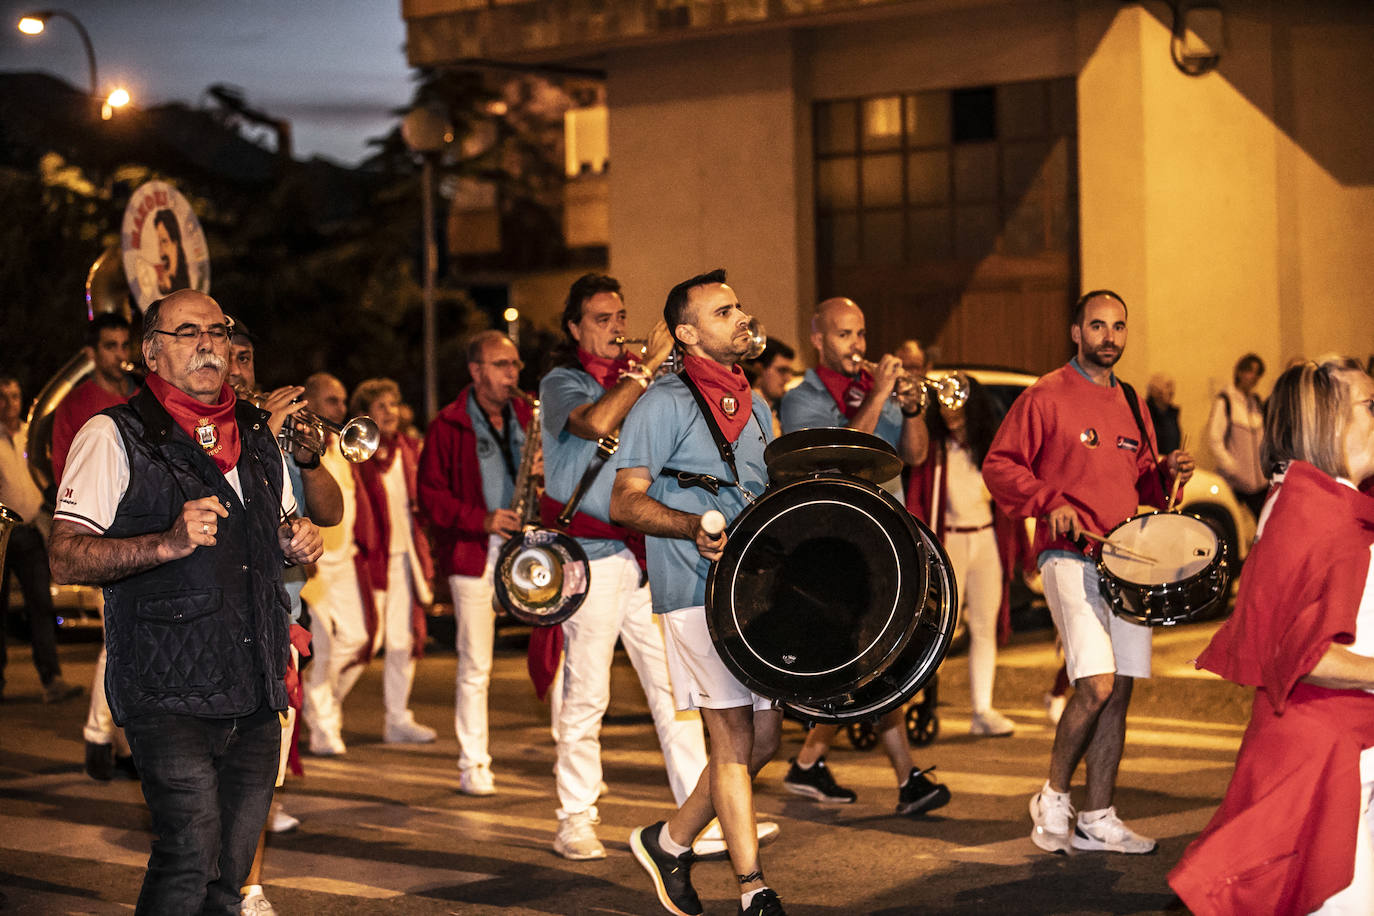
(27, 558)
(208, 784)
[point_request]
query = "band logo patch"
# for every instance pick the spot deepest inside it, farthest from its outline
(207, 435)
(1126, 442)
(1089, 437)
(729, 405)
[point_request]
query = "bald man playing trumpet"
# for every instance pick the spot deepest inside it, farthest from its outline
(845, 390)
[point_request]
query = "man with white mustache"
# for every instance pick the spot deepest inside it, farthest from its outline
(176, 503)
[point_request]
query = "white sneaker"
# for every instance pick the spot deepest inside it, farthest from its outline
(1107, 833)
(409, 732)
(1053, 818)
(991, 724)
(576, 838)
(710, 843)
(255, 904)
(476, 781)
(278, 821)
(1054, 707)
(327, 746)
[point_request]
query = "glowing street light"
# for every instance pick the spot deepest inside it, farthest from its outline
(34, 23)
(116, 99)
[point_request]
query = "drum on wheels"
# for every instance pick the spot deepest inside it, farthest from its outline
(1173, 569)
(831, 598)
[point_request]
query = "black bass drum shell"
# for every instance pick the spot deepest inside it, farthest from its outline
(823, 587)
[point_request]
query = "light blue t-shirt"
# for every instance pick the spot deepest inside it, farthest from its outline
(809, 406)
(566, 455)
(498, 482)
(666, 429)
(293, 577)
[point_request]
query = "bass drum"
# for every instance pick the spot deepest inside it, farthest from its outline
(832, 599)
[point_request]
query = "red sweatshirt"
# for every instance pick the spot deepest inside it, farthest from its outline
(1069, 441)
(85, 401)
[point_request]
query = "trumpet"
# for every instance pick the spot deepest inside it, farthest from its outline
(950, 390)
(358, 438)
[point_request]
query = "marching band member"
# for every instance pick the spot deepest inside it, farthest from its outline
(1294, 833)
(339, 642)
(175, 502)
(394, 554)
(1078, 454)
(107, 344)
(581, 404)
(674, 429)
(947, 492)
(840, 392)
(466, 481)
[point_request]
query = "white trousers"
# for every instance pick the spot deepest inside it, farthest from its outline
(617, 607)
(338, 633)
(474, 637)
(978, 571)
(394, 607)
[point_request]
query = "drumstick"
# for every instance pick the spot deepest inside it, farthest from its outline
(1173, 492)
(712, 522)
(1125, 551)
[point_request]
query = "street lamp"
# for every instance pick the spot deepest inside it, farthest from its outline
(426, 132)
(116, 99)
(34, 23)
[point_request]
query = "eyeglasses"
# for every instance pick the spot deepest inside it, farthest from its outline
(504, 364)
(190, 332)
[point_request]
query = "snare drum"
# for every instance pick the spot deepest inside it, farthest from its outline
(1185, 576)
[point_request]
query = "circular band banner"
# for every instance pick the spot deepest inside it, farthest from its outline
(164, 247)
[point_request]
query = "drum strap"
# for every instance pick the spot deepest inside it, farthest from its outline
(687, 479)
(727, 451)
(1134, 404)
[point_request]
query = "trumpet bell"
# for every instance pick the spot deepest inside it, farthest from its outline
(758, 339)
(541, 577)
(359, 438)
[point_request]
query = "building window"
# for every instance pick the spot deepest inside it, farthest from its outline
(944, 175)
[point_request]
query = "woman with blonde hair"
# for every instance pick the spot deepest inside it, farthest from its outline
(1293, 834)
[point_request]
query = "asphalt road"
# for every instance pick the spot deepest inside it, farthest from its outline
(383, 829)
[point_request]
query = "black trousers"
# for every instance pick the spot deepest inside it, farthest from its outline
(27, 558)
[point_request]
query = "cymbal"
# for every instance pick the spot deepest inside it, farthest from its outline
(808, 452)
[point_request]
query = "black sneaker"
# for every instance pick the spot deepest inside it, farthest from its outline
(672, 874)
(99, 761)
(765, 903)
(920, 794)
(126, 766)
(816, 782)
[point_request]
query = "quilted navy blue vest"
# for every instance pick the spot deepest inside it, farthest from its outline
(205, 635)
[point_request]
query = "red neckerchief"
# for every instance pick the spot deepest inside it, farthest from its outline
(848, 391)
(725, 390)
(386, 453)
(606, 371)
(211, 426)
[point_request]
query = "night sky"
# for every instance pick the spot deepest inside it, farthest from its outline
(334, 69)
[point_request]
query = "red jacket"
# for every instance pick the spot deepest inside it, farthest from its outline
(450, 484)
(1283, 839)
(1013, 549)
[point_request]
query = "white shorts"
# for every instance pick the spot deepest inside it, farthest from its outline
(1095, 640)
(700, 679)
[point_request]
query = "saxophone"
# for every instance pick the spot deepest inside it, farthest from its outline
(541, 575)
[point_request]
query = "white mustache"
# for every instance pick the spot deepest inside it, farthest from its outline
(205, 359)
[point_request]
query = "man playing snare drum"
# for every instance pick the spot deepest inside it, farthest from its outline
(1077, 452)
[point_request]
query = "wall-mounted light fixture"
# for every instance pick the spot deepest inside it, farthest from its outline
(1199, 36)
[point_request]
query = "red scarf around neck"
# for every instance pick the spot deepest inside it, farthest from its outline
(848, 391)
(606, 371)
(211, 426)
(725, 390)
(387, 447)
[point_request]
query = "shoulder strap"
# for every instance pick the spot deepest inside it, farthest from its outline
(1134, 403)
(727, 451)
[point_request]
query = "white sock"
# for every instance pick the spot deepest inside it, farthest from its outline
(249, 890)
(747, 897)
(1088, 817)
(666, 843)
(807, 766)
(1050, 793)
